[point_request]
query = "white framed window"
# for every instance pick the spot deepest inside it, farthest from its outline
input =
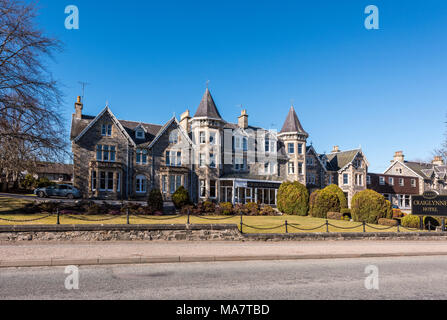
(212, 160)
(291, 168)
(141, 184)
(310, 161)
(413, 183)
(359, 179)
(300, 148)
(212, 138)
(345, 178)
(244, 144)
(311, 179)
(164, 184)
(401, 182)
(202, 160)
(173, 158)
(173, 137)
(106, 130)
(141, 157)
(300, 168)
(118, 182)
(105, 153)
(213, 189)
(267, 145)
(391, 181)
(330, 180)
(291, 148)
(202, 139)
(94, 180)
(106, 181)
(382, 181)
(368, 179)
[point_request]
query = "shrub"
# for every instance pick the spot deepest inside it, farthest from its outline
(29, 182)
(239, 208)
(94, 209)
(226, 208)
(346, 212)
(44, 182)
(293, 198)
(334, 216)
(187, 209)
(252, 208)
(369, 206)
(180, 197)
(410, 221)
(312, 198)
(340, 194)
(48, 207)
(326, 201)
(208, 207)
(388, 222)
(268, 211)
(155, 201)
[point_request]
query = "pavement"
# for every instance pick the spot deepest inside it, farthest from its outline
(113, 253)
(416, 278)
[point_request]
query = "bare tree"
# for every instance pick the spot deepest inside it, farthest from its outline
(442, 150)
(31, 128)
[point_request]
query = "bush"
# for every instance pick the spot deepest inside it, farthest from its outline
(346, 212)
(252, 208)
(188, 209)
(410, 221)
(240, 208)
(388, 222)
(44, 183)
(207, 207)
(155, 201)
(397, 214)
(340, 194)
(226, 208)
(267, 210)
(94, 209)
(180, 197)
(293, 198)
(29, 183)
(312, 198)
(369, 206)
(326, 201)
(334, 216)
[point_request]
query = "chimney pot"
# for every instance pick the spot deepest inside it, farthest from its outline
(243, 120)
(399, 156)
(438, 161)
(78, 108)
(336, 149)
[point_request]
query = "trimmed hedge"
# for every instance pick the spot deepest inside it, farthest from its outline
(180, 198)
(312, 199)
(325, 201)
(410, 221)
(293, 198)
(340, 194)
(388, 222)
(369, 206)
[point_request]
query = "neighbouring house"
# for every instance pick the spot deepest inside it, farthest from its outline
(212, 158)
(430, 176)
(398, 189)
(55, 172)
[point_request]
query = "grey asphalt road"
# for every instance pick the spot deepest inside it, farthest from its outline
(399, 278)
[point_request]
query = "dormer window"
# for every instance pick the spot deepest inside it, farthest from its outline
(139, 134)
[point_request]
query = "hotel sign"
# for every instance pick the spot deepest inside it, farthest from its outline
(430, 204)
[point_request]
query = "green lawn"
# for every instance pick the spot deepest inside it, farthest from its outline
(318, 225)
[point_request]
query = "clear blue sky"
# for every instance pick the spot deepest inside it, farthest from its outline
(382, 89)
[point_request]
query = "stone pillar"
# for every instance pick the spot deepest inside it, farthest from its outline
(98, 183)
(115, 182)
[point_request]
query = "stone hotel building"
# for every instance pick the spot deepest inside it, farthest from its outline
(212, 158)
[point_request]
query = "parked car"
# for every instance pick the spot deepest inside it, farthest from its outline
(60, 190)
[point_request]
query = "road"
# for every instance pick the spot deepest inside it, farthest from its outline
(399, 278)
(64, 200)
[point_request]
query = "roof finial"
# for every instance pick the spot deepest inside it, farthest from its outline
(207, 84)
(107, 103)
(292, 102)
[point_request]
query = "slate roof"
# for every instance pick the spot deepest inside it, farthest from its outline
(420, 168)
(338, 160)
(292, 123)
(78, 126)
(207, 107)
(54, 168)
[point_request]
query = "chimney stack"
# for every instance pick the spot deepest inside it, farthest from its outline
(438, 161)
(243, 120)
(184, 120)
(398, 156)
(78, 108)
(336, 149)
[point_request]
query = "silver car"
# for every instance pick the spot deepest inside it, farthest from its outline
(60, 190)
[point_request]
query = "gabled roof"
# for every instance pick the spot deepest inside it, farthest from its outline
(166, 126)
(318, 156)
(114, 119)
(339, 160)
(207, 108)
(292, 123)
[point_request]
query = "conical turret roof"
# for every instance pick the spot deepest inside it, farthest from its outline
(292, 123)
(207, 107)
